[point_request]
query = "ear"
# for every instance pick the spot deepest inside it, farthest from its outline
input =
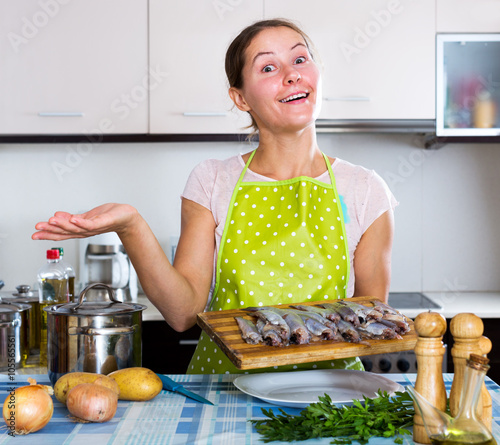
(238, 99)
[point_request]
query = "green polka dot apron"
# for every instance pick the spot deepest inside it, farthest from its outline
(283, 242)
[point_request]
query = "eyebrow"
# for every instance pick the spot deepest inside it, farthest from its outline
(264, 53)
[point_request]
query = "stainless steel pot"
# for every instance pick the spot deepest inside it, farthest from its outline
(13, 336)
(93, 336)
(25, 296)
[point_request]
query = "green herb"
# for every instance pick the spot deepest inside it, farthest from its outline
(385, 416)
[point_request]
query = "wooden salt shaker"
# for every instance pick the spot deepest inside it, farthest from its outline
(430, 327)
(487, 412)
(466, 329)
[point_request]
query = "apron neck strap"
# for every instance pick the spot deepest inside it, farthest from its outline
(328, 164)
(240, 179)
(247, 164)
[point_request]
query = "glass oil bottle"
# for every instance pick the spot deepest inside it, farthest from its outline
(465, 427)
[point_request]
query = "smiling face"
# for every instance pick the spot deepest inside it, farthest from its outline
(281, 82)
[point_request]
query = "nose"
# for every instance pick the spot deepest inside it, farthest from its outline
(292, 76)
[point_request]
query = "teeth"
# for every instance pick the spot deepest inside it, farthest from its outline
(295, 96)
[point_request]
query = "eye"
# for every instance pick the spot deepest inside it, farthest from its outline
(300, 59)
(268, 68)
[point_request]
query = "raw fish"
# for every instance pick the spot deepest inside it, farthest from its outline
(270, 333)
(299, 334)
(325, 313)
(249, 331)
(345, 312)
(378, 331)
(364, 313)
(276, 320)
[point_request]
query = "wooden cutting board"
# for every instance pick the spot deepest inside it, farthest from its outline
(224, 331)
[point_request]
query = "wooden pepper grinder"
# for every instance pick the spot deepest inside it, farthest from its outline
(486, 416)
(466, 329)
(430, 327)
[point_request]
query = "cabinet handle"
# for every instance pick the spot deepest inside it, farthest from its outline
(205, 113)
(348, 98)
(188, 342)
(60, 114)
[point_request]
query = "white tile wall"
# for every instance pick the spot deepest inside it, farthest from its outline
(447, 235)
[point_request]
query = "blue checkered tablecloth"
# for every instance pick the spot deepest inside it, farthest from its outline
(171, 418)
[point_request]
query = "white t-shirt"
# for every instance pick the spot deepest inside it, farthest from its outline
(363, 193)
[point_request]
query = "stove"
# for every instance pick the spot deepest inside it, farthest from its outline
(411, 300)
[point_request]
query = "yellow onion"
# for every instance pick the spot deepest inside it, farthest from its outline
(91, 402)
(28, 409)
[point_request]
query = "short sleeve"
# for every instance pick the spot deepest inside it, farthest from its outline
(200, 184)
(379, 199)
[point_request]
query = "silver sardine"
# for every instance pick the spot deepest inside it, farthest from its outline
(276, 320)
(349, 332)
(378, 331)
(299, 334)
(315, 316)
(363, 312)
(384, 308)
(325, 313)
(249, 331)
(403, 326)
(318, 330)
(270, 333)
(346, 313)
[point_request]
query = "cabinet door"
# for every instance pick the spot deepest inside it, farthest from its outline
(468, 16)
(378, 56)
(73, 67)
(188, 41)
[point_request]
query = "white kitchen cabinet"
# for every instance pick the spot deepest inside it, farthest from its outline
(468, 16)
(378, 56)
(74, 67)
(188, 42)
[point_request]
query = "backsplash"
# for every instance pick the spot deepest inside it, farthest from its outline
(446, 223)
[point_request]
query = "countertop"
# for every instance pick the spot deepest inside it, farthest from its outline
(483, 304)
(171, 418)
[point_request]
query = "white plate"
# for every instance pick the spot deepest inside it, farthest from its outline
(301, 388)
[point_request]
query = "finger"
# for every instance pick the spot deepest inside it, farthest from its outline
(83, 223)
(58, 225)
(43, 235)
(64, 215)
(96, 223)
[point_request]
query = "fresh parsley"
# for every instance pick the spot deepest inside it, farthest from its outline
(385, 416)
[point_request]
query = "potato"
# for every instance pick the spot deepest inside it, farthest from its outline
(137, 384)
(68, 381)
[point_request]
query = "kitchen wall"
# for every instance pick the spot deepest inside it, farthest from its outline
(447, 232)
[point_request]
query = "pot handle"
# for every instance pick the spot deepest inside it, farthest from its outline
(111, 293)
(74, 330)
(8, 324)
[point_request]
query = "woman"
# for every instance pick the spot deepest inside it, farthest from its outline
(267, 227)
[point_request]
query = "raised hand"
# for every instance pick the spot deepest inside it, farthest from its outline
(105, 218)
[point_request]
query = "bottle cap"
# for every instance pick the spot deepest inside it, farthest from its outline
(53, 254)
(60, 249)
(479, 359)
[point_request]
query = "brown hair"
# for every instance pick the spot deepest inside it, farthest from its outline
(236, 52)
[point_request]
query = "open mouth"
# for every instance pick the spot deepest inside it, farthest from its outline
(294, 97)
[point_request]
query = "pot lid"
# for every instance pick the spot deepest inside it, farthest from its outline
(24, 291)
(13, 307)
(93, 308)
(23, 295)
